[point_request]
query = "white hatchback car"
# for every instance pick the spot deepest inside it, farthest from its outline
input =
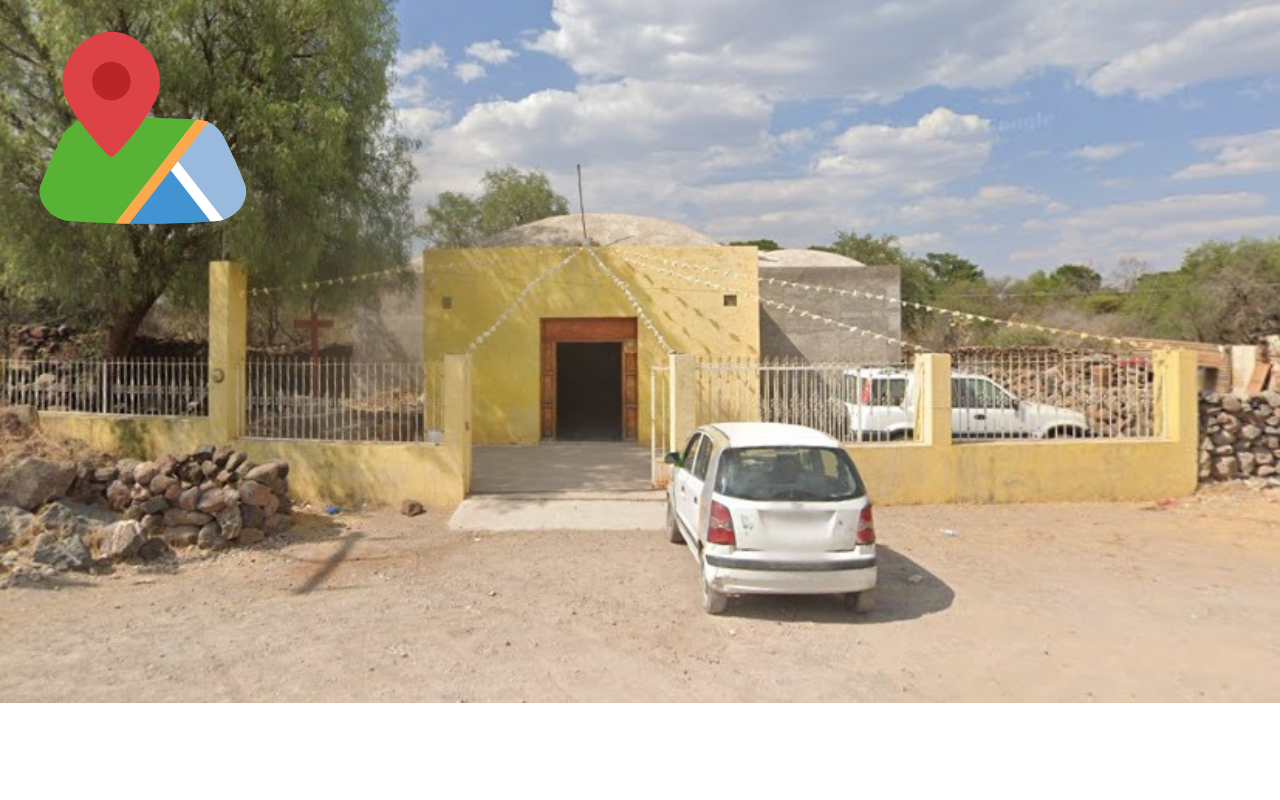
(768, 508)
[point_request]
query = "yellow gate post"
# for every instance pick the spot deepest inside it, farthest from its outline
(228, 345)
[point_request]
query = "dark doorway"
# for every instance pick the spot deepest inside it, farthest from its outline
(589, 391)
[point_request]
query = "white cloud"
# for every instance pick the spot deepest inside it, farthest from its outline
(1249, 154)
(939, 148)
(410, 86)
(920, 242)
(421, 59)
(1104, 152)
(795, 138)
(491, 52)
(987, 199)
(833, 48)
(469, 71)
(634, 138)
(1116, 183)
(1228, 43)
(1159, 230)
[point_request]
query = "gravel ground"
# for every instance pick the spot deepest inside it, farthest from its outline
(1110, 602)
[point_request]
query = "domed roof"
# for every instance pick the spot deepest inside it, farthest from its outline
(806, 258)
(603, 230)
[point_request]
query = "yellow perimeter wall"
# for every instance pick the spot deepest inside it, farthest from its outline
(483, 283)
(338, 472)
(938, 471)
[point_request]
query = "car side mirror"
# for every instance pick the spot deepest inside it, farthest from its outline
(671, 458)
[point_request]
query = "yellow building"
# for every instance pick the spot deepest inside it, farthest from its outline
(563, 338)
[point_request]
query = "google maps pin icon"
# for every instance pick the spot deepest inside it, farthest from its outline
(111, 82)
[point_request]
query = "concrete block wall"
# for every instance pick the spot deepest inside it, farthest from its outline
(784, 335)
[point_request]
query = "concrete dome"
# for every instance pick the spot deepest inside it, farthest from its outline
(603, 229)
(806, 258)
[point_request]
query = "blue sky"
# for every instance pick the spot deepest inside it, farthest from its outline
(1020, 134)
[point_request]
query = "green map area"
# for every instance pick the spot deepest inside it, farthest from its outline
(84, 183)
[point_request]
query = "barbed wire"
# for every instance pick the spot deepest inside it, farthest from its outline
(1143, 344)
(626, 290)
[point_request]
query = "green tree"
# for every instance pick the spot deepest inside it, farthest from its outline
(1077, 278)
(300, 91)
(883, 250)
(763, 245)
(510, 198)
(949, 268)
(1224, 292)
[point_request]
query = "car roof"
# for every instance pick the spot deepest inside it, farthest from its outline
(765, 434)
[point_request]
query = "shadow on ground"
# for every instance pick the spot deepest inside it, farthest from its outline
(905, 591)
(313, 529)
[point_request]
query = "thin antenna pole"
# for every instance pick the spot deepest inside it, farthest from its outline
(582, 209)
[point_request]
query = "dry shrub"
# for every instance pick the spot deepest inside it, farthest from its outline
(22, 437)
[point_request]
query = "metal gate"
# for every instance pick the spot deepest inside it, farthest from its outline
(659, 424)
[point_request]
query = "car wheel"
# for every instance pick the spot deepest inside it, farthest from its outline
(673, 527)
(713, 602)
(863, 602)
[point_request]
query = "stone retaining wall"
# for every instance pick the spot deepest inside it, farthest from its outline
(1239, 437)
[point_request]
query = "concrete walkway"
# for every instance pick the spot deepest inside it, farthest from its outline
(604, 486)
(561, 467)
(602, 511)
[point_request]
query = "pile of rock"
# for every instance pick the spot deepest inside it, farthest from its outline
(77, 516)
(1239, 436)
(1113, 392)
(208, 498)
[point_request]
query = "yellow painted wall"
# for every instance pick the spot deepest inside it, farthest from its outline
(483, 283)
(935, 470)
(1025, 472)
(340, 472)
(130, 437)
(373, 474)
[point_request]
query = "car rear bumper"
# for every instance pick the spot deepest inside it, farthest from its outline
(767, 576)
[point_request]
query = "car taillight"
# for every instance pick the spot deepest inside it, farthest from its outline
(866, 527)
(720, 530)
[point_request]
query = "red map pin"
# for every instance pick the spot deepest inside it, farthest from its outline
(111, 82)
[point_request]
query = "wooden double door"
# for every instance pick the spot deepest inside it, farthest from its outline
(589, 384)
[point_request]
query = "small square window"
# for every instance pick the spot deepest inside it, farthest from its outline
(447, 302)
(730, 300)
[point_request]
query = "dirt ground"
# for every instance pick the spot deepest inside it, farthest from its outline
(1176, 602)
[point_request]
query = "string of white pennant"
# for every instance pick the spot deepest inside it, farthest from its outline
(308, 286)
(955, 315)
(529, 287)
(790, 309)
(626, 290)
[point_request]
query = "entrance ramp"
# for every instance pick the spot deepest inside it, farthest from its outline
(558, 467)
(604, 486)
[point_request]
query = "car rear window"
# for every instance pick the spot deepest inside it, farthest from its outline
(764, 474)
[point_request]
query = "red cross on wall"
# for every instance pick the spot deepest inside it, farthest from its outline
(314, 324)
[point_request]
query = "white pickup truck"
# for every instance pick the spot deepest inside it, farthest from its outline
(882, 405)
